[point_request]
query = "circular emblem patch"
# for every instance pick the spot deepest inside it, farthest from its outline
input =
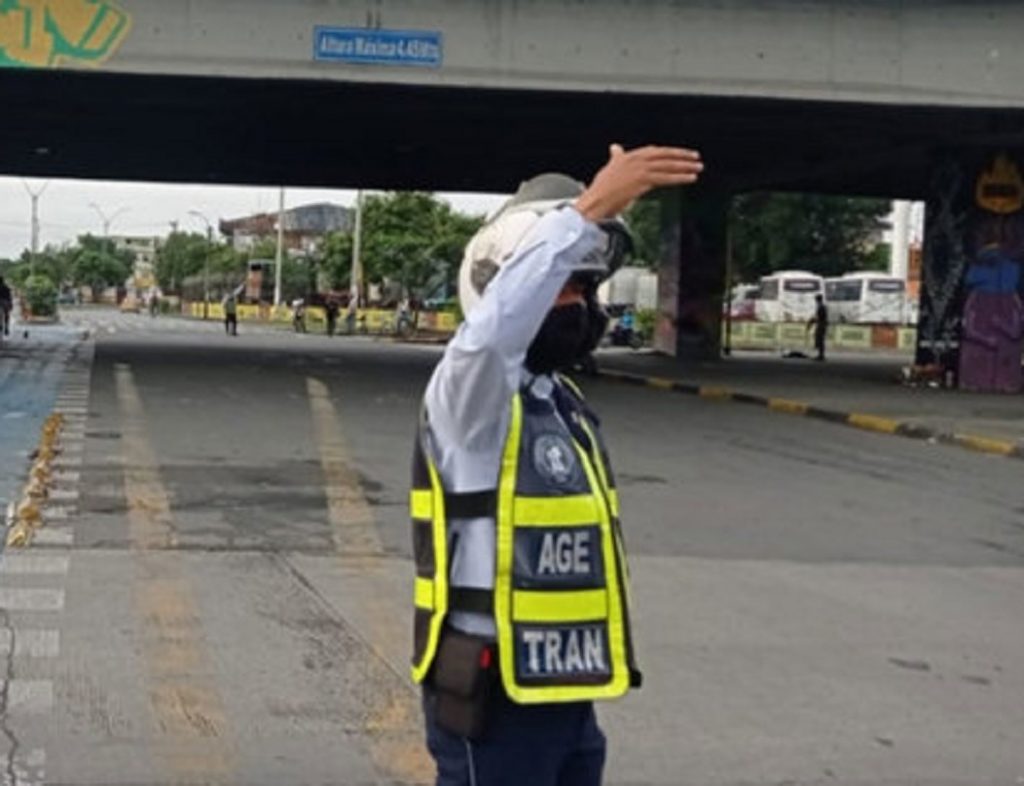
(554, 459)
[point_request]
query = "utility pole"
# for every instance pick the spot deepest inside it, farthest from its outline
(280, 248)
(357, 242)
(35, 223)
(206, 261)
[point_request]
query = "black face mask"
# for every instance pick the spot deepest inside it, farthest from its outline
(567, 334)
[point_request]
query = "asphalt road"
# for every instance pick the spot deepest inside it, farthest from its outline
(813, 604)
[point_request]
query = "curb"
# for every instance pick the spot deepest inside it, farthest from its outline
(859, 420)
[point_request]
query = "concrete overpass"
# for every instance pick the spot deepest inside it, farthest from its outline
(848, 96)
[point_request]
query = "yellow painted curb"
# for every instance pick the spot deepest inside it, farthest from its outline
(659, 382)
(985, 445)
(720, 394)
(873, 423)
(788, 406)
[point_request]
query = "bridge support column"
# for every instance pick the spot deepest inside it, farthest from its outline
(972, 320)
(691, 277)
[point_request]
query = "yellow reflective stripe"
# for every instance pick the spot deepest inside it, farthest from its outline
(613, 500)
(505, 543)
(566, 607)
(424, 593)
(555, 511)
(421, 504)
(571, 383)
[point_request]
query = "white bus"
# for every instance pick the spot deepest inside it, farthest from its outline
(788, 296)
(867, 298)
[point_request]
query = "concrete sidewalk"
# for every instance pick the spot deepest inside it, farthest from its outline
(861, 390)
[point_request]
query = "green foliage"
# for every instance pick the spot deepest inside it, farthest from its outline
(410, 238)
(644, 221)
(828, 235)
(646, 319)
(183, 254)
(41, 295)
(96, 263)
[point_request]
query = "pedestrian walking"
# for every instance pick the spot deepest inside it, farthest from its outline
(230, 304)
(6, 306)
(299, 315)
(350, 316)
(514, 503)
(820, 324)
(331, 315)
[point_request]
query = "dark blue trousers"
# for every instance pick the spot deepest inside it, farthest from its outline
(534, 745)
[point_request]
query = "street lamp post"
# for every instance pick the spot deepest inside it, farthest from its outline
(107, 220)
(206, 261)
(34, 195)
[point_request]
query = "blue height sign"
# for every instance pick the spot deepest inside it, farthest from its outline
(423, 48)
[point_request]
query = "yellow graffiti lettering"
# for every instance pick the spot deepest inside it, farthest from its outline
(50, 33)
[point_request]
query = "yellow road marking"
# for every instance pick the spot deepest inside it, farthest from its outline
(352, 521)
(711, 392)
(873, 423)
(659, 382)
(192, 735)
(788, 406)
(985, 444)
(395, 720)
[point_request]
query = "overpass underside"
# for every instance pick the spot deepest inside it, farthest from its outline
(391, 136)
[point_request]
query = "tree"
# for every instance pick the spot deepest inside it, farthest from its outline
(410, 238)
(644, 221)
(828, 235)
(96, 263)
(183, 254)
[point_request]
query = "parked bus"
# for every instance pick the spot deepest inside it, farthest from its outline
(867, 298)
(788, 296)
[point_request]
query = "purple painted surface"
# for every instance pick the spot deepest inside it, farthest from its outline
(990, 353)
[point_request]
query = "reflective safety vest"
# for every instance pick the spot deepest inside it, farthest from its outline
(560, 598)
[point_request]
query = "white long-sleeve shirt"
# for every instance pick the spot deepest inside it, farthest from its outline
(468, 399)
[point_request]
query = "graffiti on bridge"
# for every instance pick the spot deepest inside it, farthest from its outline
(53, 33)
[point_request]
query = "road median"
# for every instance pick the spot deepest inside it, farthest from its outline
(864, 421)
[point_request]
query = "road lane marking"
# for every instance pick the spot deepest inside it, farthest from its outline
(352, 522)
(193, 738)
(394, 724)
(31, 599)
(30, 642)
(53, 536)
(33, 697)
(19, 562)
(149, 510)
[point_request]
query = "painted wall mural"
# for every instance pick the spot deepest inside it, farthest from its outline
(53, 33)
(992, 329)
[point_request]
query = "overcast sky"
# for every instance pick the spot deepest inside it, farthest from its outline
(65, 209)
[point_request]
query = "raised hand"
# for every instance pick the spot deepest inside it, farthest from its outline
(629, 175)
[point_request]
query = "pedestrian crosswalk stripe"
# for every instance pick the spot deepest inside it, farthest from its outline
(53, 536)
(30, 642)
(21, 563)
(31, 599)
(29, 696)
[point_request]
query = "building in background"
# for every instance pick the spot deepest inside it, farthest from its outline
(144, 250)
(304, 227)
